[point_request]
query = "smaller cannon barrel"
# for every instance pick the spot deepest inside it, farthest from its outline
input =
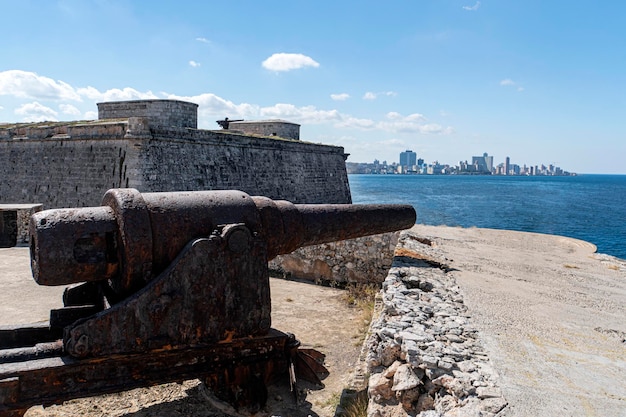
(133, 237)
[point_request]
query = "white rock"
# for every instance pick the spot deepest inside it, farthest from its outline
(405, 378)
(488, 392)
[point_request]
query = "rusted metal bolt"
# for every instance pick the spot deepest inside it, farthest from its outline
(238, 238)
(264, 325)
(81, 347)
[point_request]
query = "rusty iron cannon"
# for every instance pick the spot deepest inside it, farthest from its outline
(167, 287)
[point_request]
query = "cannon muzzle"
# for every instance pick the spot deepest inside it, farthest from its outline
(133, 237)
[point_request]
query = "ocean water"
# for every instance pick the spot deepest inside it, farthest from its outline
(587, 207)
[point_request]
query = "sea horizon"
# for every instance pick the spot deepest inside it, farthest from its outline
(589, 207)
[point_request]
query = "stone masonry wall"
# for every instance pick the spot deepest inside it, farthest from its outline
(268, 128)
(74, 165)
(362, 260)
(278, 169)
(159, 112)
(65, 167)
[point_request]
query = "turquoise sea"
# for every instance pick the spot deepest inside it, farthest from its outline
(587, 207)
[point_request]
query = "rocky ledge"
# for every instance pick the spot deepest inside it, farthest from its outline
(424, 357)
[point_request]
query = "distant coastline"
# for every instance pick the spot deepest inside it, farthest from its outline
(376, 168)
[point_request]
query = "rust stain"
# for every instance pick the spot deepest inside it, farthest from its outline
(408, 253)
(230, 334)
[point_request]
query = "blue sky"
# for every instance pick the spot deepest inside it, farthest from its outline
(538, 81)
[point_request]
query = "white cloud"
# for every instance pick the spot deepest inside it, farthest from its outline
(115, 94)
(24, 84)
(413, 123)
(415, 117)
(288, 62)
(472, 8)
(91, 93)
(194, 64)
(509, 82)
(305, 114)
(35, 112)
(350, 122)
(340, 97)
(69, 109)
(90, 115)
(373, 96)
(212, 107)
(203, 40)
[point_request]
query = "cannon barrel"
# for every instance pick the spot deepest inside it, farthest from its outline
(133, 237)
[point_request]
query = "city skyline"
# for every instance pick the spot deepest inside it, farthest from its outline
(409, 163)
(452, 77)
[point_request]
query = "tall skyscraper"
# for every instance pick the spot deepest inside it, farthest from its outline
(408, 158)
(483, 163)
(507, 166)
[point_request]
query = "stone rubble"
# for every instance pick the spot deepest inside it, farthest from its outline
(424, 357)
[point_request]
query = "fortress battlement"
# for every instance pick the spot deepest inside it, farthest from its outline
(154, 145)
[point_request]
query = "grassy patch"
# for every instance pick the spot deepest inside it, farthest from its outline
(356, 406)
(361, 296)
(332, 401)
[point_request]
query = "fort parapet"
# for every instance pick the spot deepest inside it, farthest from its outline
(174, 113)
(154, 145)
(279, 128)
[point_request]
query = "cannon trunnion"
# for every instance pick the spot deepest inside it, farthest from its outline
(167, 287)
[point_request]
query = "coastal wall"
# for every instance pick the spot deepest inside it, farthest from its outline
(361, 260)
(73, 164)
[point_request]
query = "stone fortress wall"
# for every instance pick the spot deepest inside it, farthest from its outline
(153, 145)
(364, 260)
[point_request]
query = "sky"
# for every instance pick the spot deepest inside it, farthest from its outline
(542, 82)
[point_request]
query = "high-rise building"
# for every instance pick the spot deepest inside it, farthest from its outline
(483, 163)
(408, 159)
(507, 166)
